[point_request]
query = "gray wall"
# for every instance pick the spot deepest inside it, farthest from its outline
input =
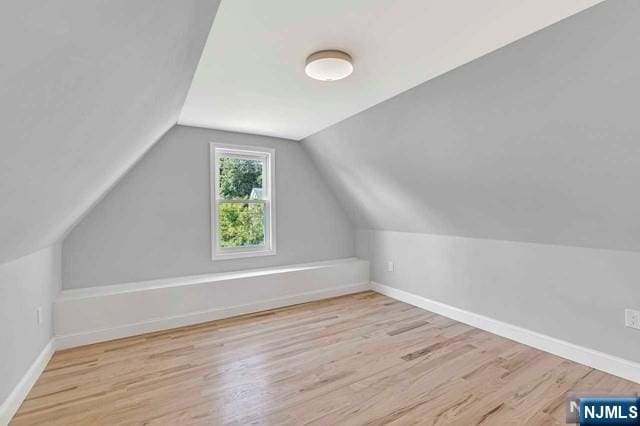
(571, 293)
(25, 284)
(538, 141)
(86, 87)
(155, 223)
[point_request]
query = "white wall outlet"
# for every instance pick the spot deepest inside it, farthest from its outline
(39, 315)
(390, 266)
(632, 318)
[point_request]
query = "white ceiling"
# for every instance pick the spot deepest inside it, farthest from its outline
(251, 73)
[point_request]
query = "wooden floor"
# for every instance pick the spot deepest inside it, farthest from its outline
(359, 359)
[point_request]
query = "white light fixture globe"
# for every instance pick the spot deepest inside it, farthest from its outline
(329, 65)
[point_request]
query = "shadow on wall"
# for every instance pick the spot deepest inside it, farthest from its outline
(371, 195)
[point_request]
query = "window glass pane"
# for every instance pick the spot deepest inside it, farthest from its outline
(241, 224)
(240, 179)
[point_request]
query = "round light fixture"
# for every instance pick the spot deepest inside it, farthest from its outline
(329, 65)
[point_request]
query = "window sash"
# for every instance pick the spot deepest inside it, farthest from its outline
(241, 201)
(266, 157)
(263, 159)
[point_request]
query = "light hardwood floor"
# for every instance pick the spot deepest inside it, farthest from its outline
(358, 359)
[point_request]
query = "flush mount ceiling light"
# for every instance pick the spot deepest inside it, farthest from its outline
(329, 65)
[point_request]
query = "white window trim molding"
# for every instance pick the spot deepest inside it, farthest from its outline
(269, 248)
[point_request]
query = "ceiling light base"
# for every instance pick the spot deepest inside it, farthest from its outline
(329, 65)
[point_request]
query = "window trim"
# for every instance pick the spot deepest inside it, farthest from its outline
(268, 185)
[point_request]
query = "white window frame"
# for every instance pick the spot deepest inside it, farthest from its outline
(268, 157)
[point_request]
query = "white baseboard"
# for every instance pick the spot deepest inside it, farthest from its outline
(599, 360)
(88, 307)
(158, 324)
(10, 406)
(97, 314)
(611, 364)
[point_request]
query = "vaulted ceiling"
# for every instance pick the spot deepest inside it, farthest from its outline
(86, 87)
(538, 141)
(251, 77)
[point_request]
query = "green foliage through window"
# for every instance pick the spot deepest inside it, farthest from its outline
(238, 177)
(240, 224)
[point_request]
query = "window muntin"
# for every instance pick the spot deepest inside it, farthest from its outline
(242, 201)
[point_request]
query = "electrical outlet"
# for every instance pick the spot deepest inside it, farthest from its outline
(390, 266)
(39, 315)
(632, 318)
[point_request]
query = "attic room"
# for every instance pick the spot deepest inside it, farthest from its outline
(319, 212)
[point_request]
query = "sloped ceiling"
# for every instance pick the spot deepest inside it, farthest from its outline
(538, 141)
(86, 87)
(251, 77)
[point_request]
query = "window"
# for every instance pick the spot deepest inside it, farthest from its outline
(242, 205)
